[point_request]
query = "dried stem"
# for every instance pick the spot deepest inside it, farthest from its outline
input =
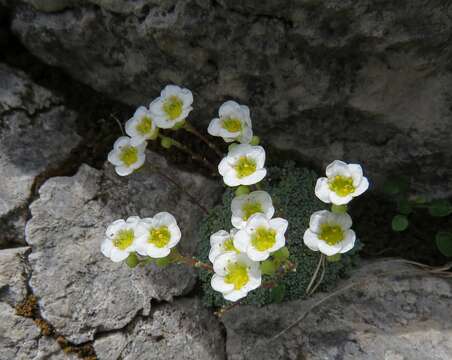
(191, 261)
(190, 152)
(191, 129)
(321, 278)
(119, 123)
(314, 276)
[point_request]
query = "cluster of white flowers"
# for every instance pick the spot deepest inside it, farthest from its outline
(153, 237)
(169, 110)
(236, 254)
(330, 231)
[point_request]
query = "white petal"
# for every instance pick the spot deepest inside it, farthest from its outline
(106, 247)
(322, 190)
(311, 240)
(117, 255)
(231, 179)
(340, 200)
(121, 142)
(241, 240)
(214, 127)
(228, 107)
(279, 224)
(255, 221)
(113, 158)
(235, 295)
(356, 172)
(258, 154)
(255, 280)
(254, 178)
(362, 187)
(329, 250)
(170, 90)
(175, 235)
(114, 227)
(156, 109)
(219, 237)
(214, 251)
(224, 166)
(238, 222)
(155, 252)
(218, 284)
(317, 219)
(221, 262)
(349, 241)
(246, 136)
(164, 219)
(337, 167)
(344, 220)
(186, 96)
(280, 242)
(256, 255)
(123, 170)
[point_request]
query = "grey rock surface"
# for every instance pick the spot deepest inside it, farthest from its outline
(80, 291)
(358, 80)
(183, 330)
(37, 133)
(13, 275)
(392, 312)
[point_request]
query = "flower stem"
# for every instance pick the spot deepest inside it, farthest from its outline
(181, 188)
(314, 276)
(191, 129)
(191, 261)
(187, 150)
(119, 123)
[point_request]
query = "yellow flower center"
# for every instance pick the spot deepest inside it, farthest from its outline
(342, 185)
(128, 155)
(232, 125)
(160, 236)
(123, 239)
(228, 245)
(237, 275)
(331, 234)
(245, 167)
(173, 107)
(144, 127)
(250, 208)
(263, 238)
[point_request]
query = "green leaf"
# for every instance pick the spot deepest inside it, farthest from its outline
(268, 267)
(404, 206)
(242, 190)
(282, 254)
(132, 260)
(444, 242)
(396, 186)
(400, 223)
(440, 208)
(277, 293)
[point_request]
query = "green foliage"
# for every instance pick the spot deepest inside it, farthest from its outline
(292, 191)
(399, 189)
(444, 242)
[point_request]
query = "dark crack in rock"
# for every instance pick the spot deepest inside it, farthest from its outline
(80, 291)
(404, 315)
(37, 133)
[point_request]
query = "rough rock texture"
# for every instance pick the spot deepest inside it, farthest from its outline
(184, 330)
(80, 291)
(20, 338)
(400, 316)
(359, 80)
(37, 133)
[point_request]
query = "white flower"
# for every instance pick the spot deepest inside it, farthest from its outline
(172, 107)
(121, 238)
(141, 127)
(235, 275)
(261, 237)
(244, 206)
(329, 233)
(220, 243)
(159, 235)
(127, 157)
(233, 124)
(243, 165)
(342, 184)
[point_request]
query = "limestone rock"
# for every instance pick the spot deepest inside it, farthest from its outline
(400, 316)
(13, 275)
(356, 80)
(80, 291)
(37, 133)
(183, 330)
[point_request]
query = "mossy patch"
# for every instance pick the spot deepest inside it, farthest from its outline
(292, 191)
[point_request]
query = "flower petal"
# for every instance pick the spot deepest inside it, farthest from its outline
(329, 250)
(349, 242)
(340, 200)
(218, 284)
(337, 167)
(322, 190)
(256, 255)
(311, 240)
(279, 224)
(362, 187)
(317, 219)
(235, 295)
(241, 240)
